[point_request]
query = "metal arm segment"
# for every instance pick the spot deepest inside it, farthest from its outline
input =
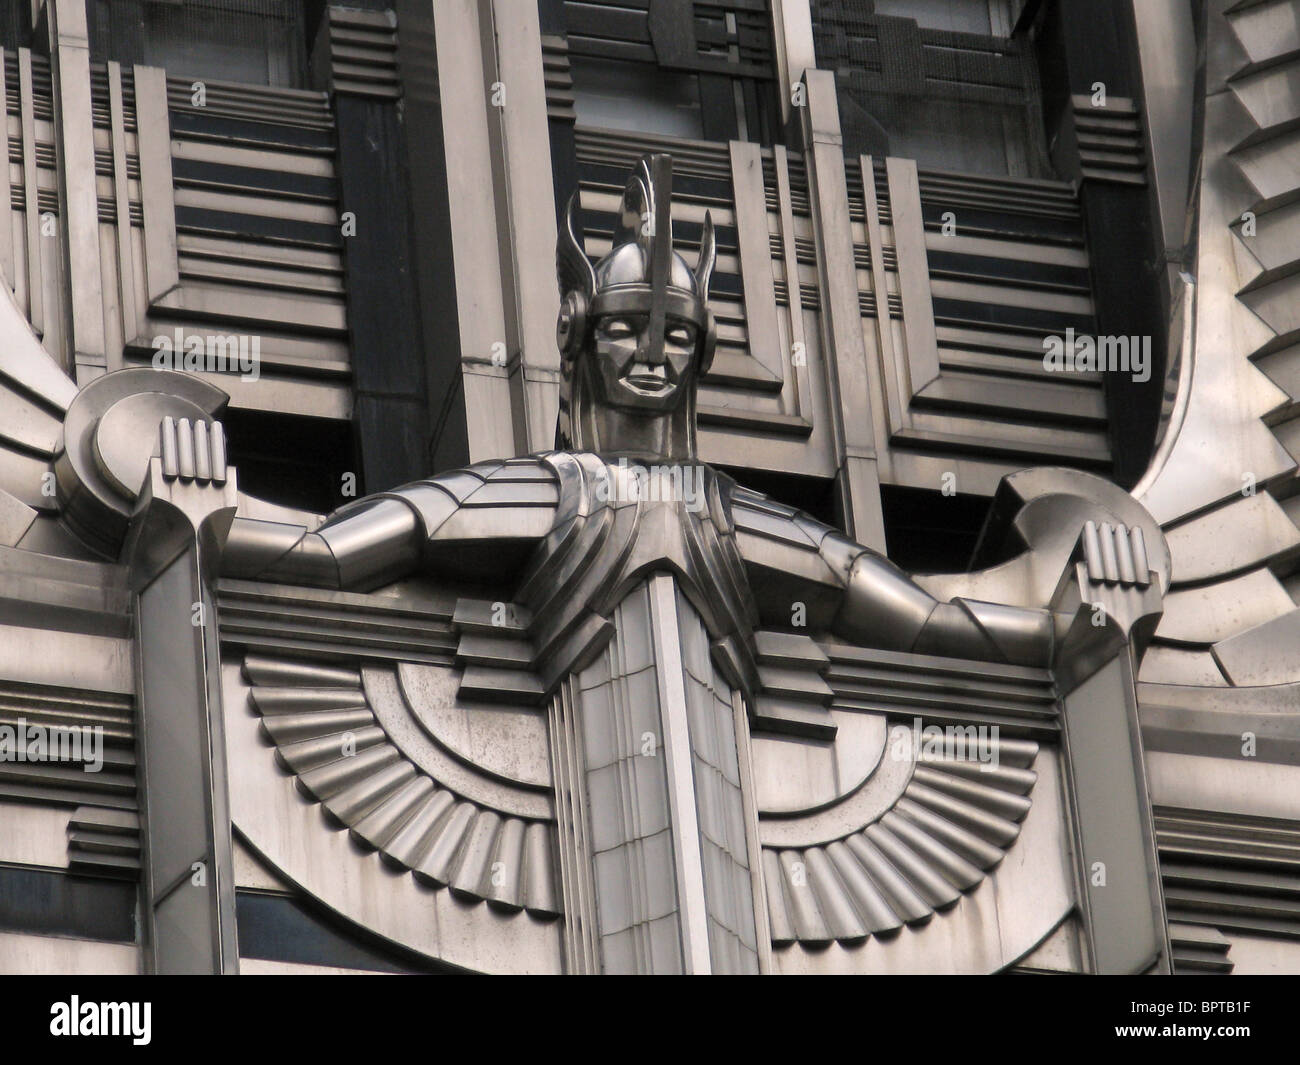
(883, 607)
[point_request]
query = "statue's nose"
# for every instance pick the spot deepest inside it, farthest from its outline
(650, 349)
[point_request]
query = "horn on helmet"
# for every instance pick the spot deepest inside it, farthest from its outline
(577, 279)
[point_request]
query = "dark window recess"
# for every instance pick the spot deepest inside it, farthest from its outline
(291, 460)
(257, 42)
(949, 98)
(15, 25)
(812, 495)
(680, 68)
(281, 928)
(52, 903)
(929, 532)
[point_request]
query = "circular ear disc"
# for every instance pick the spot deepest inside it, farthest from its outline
(571, 326)
(707, 343)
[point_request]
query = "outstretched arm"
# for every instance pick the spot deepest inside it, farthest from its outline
(865, 599)
(883, 607)
(360, 547)
(478, 520)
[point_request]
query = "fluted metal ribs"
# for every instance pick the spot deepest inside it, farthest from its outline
(953, 823)
(326, 735)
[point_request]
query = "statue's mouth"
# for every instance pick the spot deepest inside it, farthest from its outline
(649, 379)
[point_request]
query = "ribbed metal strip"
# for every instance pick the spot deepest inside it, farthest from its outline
(1111, 140)
(558, 78)
(363, 52)
(1230, 870)
(104, 842)
(261, 103)
(1199, 949)
(103, 835)
(271, 621)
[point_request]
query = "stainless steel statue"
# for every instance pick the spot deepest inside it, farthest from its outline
(650, 594)
(637, 335)
(602, 708)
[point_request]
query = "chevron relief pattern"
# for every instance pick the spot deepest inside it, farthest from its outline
(953, 822)
(1268, 88)
(1228, 609)
(328, 737)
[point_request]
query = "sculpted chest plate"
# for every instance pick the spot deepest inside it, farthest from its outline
(616, 522)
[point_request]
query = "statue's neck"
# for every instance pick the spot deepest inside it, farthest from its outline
(613, 432)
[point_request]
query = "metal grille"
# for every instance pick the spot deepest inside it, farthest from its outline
(956, 101)
(258, 42)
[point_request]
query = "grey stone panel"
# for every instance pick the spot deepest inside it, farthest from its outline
(639, 927)
(728, 897)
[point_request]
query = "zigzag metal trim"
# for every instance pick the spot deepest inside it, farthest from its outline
(951, 824)
(1229, 611)
(386, 802)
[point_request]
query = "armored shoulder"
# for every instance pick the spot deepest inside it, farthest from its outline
(510, 498)
(798, 565)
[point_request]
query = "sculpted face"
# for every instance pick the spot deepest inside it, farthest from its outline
(628, 385)
(631, 372)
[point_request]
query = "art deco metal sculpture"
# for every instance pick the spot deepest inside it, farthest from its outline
(637, 336)
(642, 583)
(587, 678)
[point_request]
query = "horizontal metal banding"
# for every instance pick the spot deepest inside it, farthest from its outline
(329, 624)
(363, 53)
(1231, 872)
(65, 782)
(944, 691)
(104, 842)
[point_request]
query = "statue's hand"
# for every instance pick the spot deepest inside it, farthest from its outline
(192, 450)
(189, 470)
(1107, 595)
(1115, 555)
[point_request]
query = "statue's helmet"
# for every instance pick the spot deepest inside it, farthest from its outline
(642, 280)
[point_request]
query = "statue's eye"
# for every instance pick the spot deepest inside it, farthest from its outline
(617, 328)
(680, 334)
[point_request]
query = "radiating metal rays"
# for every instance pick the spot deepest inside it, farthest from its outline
(327, 736)
(949, 825)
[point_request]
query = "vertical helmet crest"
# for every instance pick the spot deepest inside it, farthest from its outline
(642, 259)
